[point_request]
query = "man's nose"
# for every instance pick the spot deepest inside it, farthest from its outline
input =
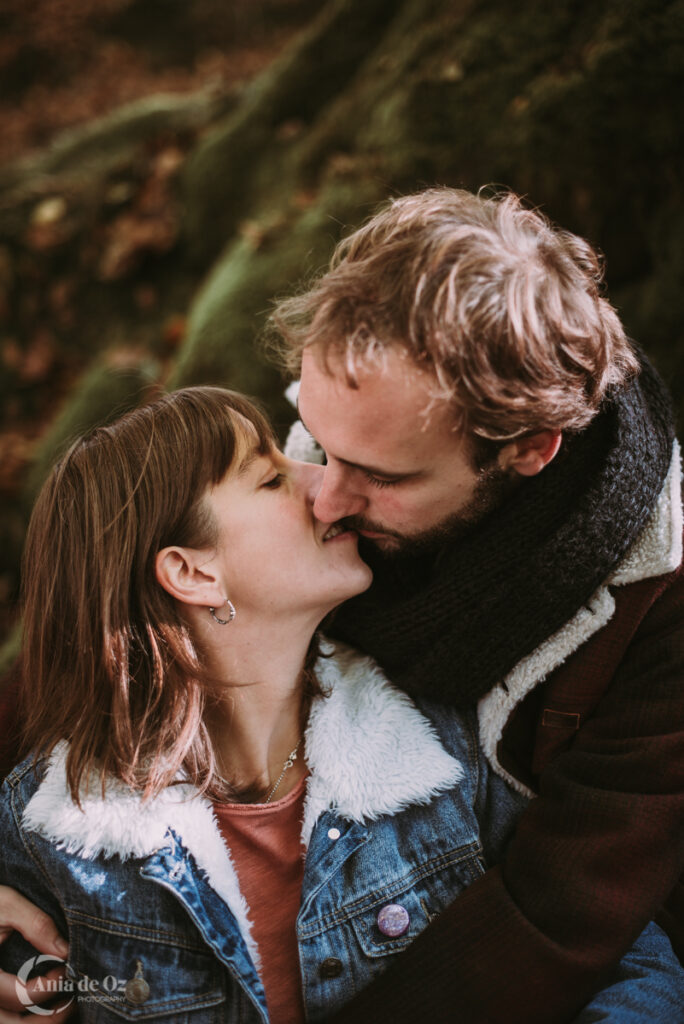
(308, 476)
(336, 497)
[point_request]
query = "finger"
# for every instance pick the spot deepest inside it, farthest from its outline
(64, 1012)
(59, 1012)
(9, 999)
(17, 913)
(36, 991)
(57, 1016)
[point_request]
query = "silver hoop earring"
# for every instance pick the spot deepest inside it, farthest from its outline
(231, 614)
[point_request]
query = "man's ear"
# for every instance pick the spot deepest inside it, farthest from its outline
(529, 455)
(189, 576)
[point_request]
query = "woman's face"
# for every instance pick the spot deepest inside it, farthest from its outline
(274, 556)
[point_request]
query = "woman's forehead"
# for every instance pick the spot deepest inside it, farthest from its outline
(250, 443)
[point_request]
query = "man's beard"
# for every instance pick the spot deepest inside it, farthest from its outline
(492, 486)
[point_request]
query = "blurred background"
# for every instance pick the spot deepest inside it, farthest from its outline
(168, 167)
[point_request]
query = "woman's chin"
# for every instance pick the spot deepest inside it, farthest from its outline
(351, 588)
(359, 584)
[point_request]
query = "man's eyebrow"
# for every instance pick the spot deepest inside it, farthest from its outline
(371, 470)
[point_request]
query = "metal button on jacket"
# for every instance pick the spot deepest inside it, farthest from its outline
(137, 990)
(393, 920)
(331, 967)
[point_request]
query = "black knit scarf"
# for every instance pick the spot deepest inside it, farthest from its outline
(450, 627)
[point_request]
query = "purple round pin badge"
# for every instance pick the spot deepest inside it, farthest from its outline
(393, 920)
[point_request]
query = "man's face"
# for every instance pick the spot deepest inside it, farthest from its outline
(396, 470)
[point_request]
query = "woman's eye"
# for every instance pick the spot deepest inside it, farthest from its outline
(274, 482)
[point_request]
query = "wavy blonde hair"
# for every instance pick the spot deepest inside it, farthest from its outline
(504, 308)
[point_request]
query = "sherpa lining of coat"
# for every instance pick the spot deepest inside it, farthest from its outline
(658, 550)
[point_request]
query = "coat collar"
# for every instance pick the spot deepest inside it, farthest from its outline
(659, 548)
(657, 551)
(369, 749)
(370, 752)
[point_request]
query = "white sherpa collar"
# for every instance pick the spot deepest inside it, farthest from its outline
(369, 750)
(658, 550)
(122, 825)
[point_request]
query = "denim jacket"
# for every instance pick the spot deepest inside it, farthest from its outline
(401, 811)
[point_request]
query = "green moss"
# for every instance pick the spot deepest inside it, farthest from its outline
(103, 394)
(229, 312)
(574, 104)
(9, 652)
(246, 158)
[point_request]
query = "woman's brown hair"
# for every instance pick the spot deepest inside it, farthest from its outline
(108, 662)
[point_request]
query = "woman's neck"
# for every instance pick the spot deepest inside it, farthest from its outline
(258, 719)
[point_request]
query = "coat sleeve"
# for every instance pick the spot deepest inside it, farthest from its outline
(592, 860)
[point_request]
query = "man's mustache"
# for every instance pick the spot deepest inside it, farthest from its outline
(359, 523)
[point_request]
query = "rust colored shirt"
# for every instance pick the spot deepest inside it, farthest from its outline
(265, 844)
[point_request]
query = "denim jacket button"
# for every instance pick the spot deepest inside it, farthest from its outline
(331, 967)
(137, 990)
(393, 920)
(333, 833)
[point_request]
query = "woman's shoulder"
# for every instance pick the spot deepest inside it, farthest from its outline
(23, 780)
(16, 793)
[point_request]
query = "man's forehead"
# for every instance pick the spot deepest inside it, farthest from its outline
(390, 414)
(387, 380)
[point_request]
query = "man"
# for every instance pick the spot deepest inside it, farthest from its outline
(511, 466)
(490, 432)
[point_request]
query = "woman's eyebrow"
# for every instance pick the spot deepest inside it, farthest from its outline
(248, 459)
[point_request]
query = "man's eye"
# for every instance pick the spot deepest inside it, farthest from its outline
(274, 482)
(378, 481)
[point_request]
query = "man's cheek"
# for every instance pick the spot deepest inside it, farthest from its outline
(390, 508)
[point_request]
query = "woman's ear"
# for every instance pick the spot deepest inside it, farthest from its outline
(529, 455)
(189, 576)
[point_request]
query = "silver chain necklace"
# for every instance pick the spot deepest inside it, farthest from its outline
(291, 758)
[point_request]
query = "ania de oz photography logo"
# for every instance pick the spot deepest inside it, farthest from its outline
(64, 990)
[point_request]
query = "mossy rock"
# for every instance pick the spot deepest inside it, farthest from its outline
(575, 105)
(103, 394)
(227, 317)
(95, 149)
(247, 159)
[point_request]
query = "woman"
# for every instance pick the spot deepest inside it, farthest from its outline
(228, 824)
